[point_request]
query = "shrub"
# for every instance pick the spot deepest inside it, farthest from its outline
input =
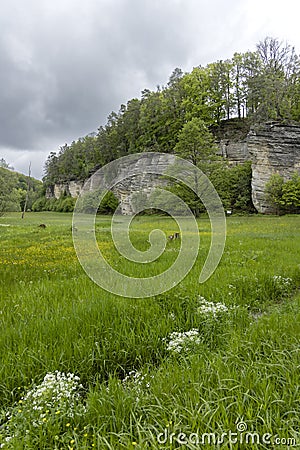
(284, 196)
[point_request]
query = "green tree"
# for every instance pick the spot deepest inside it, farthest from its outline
(196, 143)
(273, 191)
(291, 193)
(279, 64)
(220, 89)
(195, 98)
(8, 192)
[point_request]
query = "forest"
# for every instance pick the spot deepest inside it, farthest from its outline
(187, 117)
(253, 86)
(14, 187)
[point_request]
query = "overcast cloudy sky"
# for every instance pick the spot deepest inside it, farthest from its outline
(66, 64)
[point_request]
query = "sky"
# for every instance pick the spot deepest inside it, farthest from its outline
(66, 64)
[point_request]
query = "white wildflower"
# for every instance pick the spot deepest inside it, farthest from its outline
(137, 382)
(212, 309)
(58, 392)
(282, 281)
(179, 341)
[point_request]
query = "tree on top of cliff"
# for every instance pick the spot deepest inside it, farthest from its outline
(196, 143)
(275, 81)
(255, 86)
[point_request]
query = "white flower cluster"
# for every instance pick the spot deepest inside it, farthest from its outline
(212, 309)
(137, 382)
(57, 391)
(57, 396)
(138, 379)
(183, 341)
(283, 281)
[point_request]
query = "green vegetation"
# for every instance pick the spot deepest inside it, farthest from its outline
(66, 203)
(240, 361)
(250, 87)
(284, 195)
(13, 189)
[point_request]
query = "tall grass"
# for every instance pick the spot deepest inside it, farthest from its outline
(244, 368)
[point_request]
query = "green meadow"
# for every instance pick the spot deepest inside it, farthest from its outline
(144, 381)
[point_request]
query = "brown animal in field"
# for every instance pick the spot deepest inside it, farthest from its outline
(42, 225)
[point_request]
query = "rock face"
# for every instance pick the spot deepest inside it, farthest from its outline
(273, 147)
(72, 188)
(234, 152)
(136, 179)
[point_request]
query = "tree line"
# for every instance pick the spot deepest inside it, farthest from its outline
(185, 117)
(14, 188)
(255, 86)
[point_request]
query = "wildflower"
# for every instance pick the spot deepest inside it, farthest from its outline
(209, 308)
(281, 280)
(137, 382)
(183, 340)
(58, 392)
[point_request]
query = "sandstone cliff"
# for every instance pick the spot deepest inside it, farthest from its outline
(274, 147)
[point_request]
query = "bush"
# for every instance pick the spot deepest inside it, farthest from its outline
(233, 185)
(39, 204)
(90, 201)
(284, 196)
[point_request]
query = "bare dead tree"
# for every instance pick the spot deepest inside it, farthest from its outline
(27, 191)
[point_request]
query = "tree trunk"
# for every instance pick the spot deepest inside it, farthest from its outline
(27, 192)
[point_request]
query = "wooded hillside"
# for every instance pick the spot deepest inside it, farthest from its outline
(252, 86)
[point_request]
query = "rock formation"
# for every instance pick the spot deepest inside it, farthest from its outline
(274, 147)
(72, 188)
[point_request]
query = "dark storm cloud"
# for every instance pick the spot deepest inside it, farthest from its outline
(62, 71)
(65, 64)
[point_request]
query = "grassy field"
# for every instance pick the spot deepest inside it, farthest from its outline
(231, 363)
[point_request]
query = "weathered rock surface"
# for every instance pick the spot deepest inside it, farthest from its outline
(72, 188)
(274, 147)
(234, 152)
(136, 179)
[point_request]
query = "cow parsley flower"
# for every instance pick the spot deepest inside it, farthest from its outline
(211, 309)
(282, 280)
(137, 382)
(283, 285)
(56, 398)
(185, 340)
